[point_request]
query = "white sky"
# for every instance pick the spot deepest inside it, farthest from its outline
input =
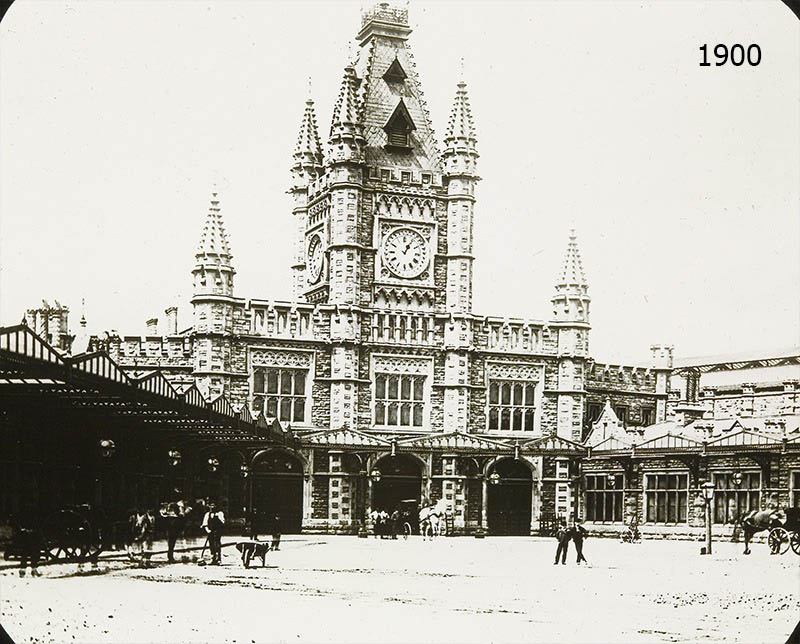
(116, 117)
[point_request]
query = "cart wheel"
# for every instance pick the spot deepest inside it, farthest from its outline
(67, 536)
(427, 530)
(248, 554)
(406, 530)
(795, 542)
(778, 541)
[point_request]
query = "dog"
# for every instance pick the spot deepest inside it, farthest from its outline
(250, 549)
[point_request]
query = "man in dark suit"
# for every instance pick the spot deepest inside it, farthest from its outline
(275, 528)
(578, 533)
(563, 537)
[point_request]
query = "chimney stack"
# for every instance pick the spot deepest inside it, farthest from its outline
(152, 326)
(172, 320)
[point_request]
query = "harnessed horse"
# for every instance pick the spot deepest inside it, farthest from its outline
(433, 517)
(758, 521)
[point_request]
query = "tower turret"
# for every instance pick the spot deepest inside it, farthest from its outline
(571, 298)
(459, 164)
(213, 272)
(307, 167)
(213, 306)
(344, 166)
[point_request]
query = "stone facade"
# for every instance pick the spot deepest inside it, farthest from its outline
(397, 388)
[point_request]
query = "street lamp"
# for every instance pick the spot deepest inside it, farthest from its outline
(706, 496)
(611, 479)
(175, 457)
(737, 478)
(494, 478)
(375, 475)
(107, 447)
(244, 470)
(213, 464)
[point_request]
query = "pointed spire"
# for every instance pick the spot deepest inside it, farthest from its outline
(345, 125)
(571, 298)
(308, 151)
(572, 268)
(460, 128)
(214, 239)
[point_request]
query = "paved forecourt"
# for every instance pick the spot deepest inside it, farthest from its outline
(344, 589)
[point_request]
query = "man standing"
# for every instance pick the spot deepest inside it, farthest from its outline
(578, 535)
(563, 537)
(213, 522)
(276, 532)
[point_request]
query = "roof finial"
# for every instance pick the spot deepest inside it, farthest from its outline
(461, 70)
(83, 311)
(308, 91)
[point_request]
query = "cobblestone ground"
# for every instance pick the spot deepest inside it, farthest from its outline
(344, 589)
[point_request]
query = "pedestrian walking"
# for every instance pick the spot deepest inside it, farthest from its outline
(213, 522)
(394, 523)
(174, 515)
(563, 536)
(27, 540)
(578, 533)
(275, 528)
(140, 535)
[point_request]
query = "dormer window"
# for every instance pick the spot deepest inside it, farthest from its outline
(398, 128)
(395, 73)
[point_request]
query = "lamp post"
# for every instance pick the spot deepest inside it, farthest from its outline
(494, 478)
(707, 495)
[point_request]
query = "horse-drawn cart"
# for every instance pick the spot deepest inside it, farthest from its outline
(71, 534)
(787, 535)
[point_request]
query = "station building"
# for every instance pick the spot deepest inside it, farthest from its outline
(395, 390)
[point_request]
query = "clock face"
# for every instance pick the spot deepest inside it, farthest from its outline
(314, 259)
(405, 252)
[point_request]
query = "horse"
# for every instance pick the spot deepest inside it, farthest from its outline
(433, 517)
(757, 521)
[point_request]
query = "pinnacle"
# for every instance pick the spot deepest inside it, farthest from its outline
(460, 125)
(308, 147)
(214, 239)
(572, 269)
(345, 113)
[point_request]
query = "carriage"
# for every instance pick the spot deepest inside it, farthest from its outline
(786, 535)
(72, 534)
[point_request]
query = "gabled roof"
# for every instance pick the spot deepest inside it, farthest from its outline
(156, 383)
(193, 396)
(611, 443)
(395, 73)
(670, 441)
(99, 364)
(744, 438)
(552, 444)
(456, 441)
(344, 438)
(20, 339)
(400, 114)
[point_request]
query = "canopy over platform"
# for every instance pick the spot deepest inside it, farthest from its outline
(35, 377)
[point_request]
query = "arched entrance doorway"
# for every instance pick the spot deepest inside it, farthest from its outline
(276, 490)
(400, 480)
(510, 497)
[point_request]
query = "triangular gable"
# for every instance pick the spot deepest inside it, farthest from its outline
(245, 415)
(222, 405)
(669, 441)
(455, 441)
(395, 73)
(100, 365)
(554, 444)
(193, 396)
(344, 437)
(400, 116)
(743, 438)
(611, 443)
(20, 339)
(156, 383)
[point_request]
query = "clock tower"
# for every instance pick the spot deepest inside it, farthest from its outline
(384, 224)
